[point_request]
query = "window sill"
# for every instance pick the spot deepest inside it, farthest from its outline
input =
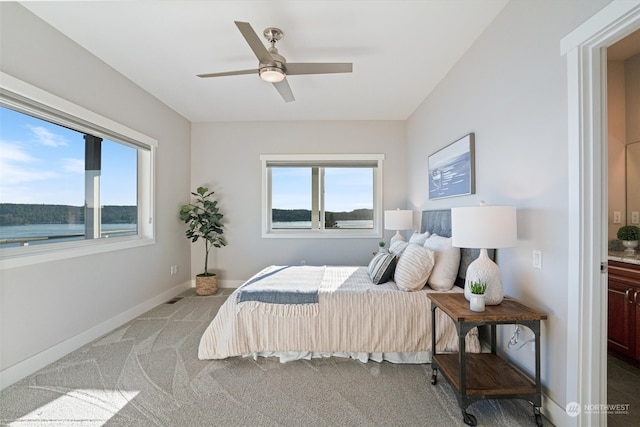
(10, 259)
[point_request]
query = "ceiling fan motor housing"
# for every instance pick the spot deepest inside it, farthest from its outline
(276, 70)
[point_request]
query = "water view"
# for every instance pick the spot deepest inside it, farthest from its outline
(56, 232)
(347, 224)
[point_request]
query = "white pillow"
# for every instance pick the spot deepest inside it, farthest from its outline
(447, 262)
(419, 238)
(413, 268)
(398, 247)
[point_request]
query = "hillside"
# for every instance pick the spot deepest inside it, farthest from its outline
(27, 214)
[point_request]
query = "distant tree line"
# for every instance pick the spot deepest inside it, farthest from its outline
(27, 214)
(290, 215)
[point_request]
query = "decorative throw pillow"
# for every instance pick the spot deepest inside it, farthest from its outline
(398, 247)
(414, 267)
(447, 262)
(381, 268)
(419, 238)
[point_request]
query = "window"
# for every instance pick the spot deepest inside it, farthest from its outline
(322, 195)
(69, 179)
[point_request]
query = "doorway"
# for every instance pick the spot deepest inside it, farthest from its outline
(585, 51)
(623, 69)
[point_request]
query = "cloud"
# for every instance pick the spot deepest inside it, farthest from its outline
(73, 165)
(12, 166)
(45, 137)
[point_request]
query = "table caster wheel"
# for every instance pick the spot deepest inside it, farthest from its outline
(536, 413)
(539, 420)
(434, 379)
(469, 419)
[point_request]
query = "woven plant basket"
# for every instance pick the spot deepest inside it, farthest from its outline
(206, 285)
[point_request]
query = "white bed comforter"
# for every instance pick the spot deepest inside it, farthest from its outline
(353, 318)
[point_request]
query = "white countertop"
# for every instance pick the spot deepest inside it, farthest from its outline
(624, 257)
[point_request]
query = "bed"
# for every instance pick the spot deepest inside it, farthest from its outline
(304, 312)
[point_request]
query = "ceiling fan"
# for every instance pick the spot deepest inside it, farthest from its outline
(273, 67)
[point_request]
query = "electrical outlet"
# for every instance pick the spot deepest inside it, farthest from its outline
(174, 270)
(635, 217)
(617, 217)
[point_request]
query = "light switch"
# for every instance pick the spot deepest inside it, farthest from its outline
(617, 218)
(635, 217)
(537, 259)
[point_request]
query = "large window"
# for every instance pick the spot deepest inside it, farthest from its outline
(322, 195)
(69, 178)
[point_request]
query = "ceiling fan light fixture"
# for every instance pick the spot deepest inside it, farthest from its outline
(272, 74)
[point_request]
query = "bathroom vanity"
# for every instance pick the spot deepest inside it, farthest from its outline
(624, 306)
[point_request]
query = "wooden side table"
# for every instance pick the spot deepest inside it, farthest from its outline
(486, 375)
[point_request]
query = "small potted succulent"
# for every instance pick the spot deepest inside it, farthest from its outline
(476, 303)
(629, 235)
(381, 248)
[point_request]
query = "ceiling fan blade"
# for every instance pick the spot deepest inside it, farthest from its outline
(285, 90)
(229, 73)
(318, 68)
(255, 44)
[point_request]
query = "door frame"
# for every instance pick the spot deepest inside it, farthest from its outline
(585, 50)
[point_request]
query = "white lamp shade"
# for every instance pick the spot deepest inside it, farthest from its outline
(398, 220)
(482, 227)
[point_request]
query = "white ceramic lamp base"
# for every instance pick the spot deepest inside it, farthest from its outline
(485, 270)
(396, 238)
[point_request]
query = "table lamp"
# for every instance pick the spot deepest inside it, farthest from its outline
(398, 220)
(484, 227)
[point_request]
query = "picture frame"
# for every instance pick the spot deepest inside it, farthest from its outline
(452, 169)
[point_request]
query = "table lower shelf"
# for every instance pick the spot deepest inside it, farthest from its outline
(486, 374)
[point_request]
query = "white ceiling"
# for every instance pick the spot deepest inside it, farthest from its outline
(400, 50)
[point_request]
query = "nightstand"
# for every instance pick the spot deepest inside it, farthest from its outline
(486, 375)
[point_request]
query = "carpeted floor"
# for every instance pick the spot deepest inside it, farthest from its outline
(146, 373)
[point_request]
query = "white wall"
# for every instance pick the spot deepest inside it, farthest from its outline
(47, 309)
(226, 157)
(510, 89)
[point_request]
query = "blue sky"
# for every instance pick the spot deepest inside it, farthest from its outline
(346, 189)
(44, 163)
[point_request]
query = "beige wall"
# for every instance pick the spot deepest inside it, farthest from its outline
(226, 157)
(48, 309)
(617, 140)
(510, 88)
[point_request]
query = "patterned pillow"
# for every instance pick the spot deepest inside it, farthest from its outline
(381, 268)
(398, 247)
(414, 268)
(447, 257)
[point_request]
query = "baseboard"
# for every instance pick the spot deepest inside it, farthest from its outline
(556, 414)
(38, 361)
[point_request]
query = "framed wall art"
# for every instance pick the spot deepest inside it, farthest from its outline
(452, 169)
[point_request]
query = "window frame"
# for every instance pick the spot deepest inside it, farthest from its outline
(28, 99)
(322, 160)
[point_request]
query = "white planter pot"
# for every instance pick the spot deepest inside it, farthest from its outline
(630, 245)
(476, 303)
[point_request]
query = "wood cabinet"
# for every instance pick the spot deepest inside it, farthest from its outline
(623, 330)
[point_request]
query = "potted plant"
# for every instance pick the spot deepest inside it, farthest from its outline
(629, 235)
(476, 303)
(204, 220)
(381, 248)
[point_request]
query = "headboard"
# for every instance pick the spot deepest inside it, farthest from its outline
(439, 222)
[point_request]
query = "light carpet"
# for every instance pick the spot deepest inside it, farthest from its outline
(146, 373)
